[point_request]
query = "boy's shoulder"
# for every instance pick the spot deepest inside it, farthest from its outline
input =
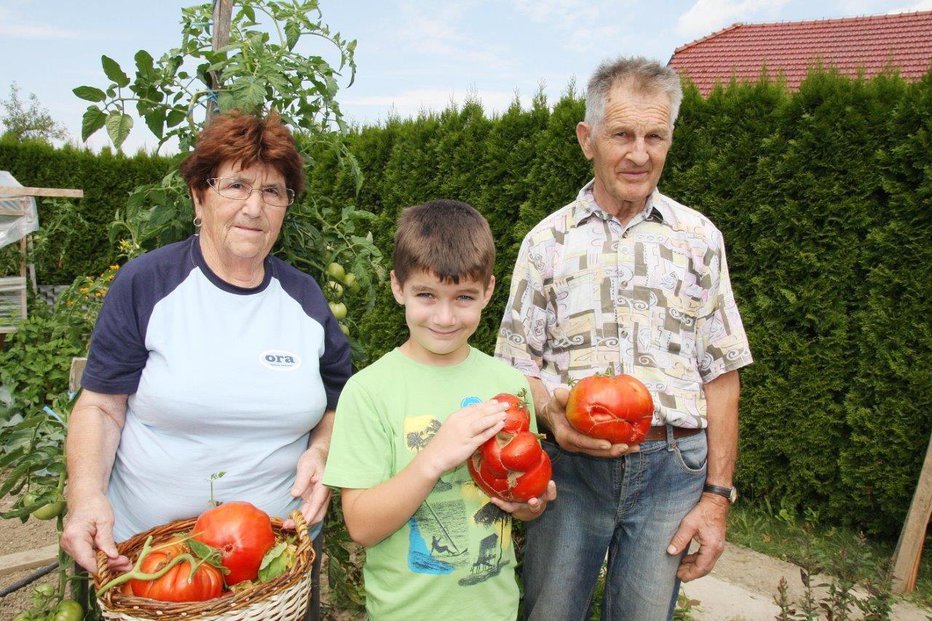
(394, 363)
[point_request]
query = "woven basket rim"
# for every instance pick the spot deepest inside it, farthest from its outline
(116, 602)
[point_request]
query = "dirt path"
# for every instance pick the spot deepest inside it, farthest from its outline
(18, 537)
(744, 582)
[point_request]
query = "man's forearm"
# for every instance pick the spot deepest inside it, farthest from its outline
(540, 396)
(722, 395)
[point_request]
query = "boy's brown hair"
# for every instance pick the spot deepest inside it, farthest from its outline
(447, 238)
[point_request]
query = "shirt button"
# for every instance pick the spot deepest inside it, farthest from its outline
(624, 334)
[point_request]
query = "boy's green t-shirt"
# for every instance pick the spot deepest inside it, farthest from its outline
(454, 559)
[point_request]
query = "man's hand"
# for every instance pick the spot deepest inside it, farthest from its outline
(554, 416)
(88, 528)
(706, 524)
(308, 486)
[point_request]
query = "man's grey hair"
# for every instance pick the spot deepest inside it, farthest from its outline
(644, 75)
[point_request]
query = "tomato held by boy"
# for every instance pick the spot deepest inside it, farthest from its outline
(512, 465)
(617, 408)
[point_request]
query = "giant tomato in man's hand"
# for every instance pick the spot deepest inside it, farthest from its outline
(617, 408)
(243, 534)
(512, 465)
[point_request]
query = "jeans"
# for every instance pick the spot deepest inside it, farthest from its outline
(628, 508)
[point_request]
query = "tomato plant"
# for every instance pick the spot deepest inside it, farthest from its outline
(617, 408)
(241, 532)
(512, 465)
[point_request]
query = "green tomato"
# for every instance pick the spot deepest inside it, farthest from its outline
(45, 590)
(335, 289)
(350, 280)
(68, 610)
(344, 329)
(49, 511)
(338, 309)
(336, 271)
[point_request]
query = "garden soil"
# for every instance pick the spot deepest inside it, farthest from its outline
(741, 588)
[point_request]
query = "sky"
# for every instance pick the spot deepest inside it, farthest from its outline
(412, 56)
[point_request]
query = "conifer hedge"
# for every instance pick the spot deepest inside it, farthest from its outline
(823, 196)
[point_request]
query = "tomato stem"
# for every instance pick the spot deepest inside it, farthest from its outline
(136, 572)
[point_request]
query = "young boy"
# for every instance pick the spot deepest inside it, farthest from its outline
(437, 547)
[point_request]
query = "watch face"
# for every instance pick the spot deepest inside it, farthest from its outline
(733, 495)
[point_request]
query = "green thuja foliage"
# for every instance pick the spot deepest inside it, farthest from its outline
(82, 245)
(823, 198)
(888, 406)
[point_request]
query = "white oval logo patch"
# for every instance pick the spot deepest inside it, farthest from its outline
(280, 360)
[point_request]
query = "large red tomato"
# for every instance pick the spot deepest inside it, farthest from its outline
(512, 465)
(243, 534)
(617, 408)
(177, 585)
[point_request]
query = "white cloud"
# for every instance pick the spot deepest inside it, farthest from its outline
(436, 31)
(921, 5)
(560, 11)
(708, 16)
(585, 25)
(411, 102)
(12, 25)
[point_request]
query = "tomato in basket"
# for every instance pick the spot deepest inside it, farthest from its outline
(178, 584)
(243, 534)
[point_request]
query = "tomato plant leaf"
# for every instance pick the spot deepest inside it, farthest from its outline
(93, 119)
(113, 71)
(89, 93)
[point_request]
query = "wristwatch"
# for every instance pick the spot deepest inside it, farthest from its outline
(731, 493)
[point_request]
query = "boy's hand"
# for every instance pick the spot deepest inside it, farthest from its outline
(462, 433)
(531, 509)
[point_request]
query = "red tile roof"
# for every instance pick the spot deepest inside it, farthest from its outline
(868, 44)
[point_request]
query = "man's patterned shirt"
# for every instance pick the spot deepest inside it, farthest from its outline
(651, 299)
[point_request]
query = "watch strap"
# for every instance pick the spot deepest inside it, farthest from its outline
(726, 492)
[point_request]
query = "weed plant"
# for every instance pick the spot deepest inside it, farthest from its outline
(843, 558)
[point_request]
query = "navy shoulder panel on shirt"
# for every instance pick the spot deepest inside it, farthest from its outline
(336, 364)
(118, 343)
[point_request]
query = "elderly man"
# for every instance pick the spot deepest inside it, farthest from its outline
(627, 278)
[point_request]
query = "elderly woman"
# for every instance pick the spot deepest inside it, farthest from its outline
(209, 356)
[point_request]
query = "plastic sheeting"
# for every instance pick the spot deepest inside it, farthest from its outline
(18, 214)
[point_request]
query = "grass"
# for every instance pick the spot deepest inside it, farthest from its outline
(818, 548)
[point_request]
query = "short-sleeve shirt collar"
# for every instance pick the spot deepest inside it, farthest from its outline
(586, 207)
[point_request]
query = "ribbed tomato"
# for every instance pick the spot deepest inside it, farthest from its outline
(178, 584)
(617, 408)
(243, 534)
(512, 465)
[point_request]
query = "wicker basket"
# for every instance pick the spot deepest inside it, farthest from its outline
(283, 599)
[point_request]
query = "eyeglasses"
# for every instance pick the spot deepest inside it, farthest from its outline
(231, 187)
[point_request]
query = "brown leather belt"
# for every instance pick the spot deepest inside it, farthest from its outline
(660, 433)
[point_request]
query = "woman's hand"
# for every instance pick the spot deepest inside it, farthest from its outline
(531, 509)
(315, 496)
(88, 528)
